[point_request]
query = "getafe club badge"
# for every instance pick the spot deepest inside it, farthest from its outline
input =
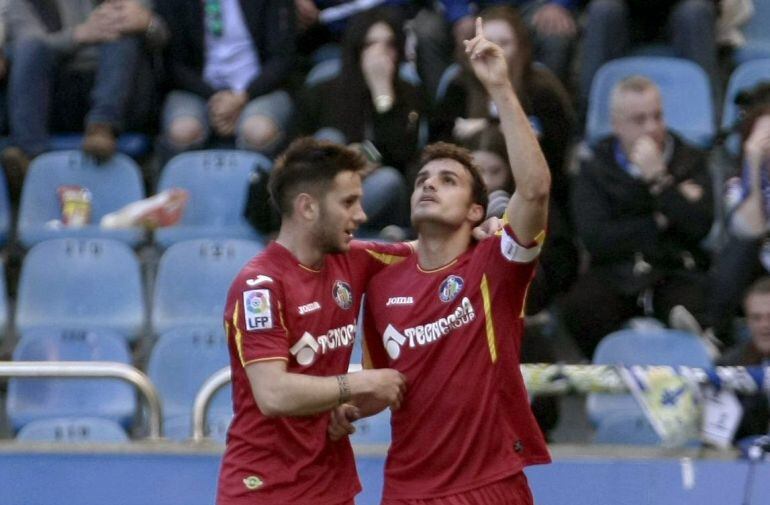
(256, 309)
(342, 294)
(450, 288)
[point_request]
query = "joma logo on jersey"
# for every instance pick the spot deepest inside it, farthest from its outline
(256, 309)
(308, 347)
(400, 300)
(427, 333)
(310, 307)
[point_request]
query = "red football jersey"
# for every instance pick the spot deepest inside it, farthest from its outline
(455, 333)
(280, 309)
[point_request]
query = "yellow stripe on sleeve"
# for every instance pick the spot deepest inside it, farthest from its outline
(490, 326)
(238, 334)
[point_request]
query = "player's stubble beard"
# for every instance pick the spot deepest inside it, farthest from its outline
(327, 235)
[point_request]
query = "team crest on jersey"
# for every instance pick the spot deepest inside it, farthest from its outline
(256, 309)
(342, 294)
(450, 288)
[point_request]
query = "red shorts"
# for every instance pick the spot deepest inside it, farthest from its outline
(513, 490)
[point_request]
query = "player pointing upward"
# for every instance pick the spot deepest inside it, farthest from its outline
(450, 319)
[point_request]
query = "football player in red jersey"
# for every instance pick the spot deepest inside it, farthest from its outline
(291, 319)
(450, 318)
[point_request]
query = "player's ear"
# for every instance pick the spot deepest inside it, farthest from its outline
(307, 206)
(476, 213)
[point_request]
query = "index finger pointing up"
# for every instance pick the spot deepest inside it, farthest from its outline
(479, 27)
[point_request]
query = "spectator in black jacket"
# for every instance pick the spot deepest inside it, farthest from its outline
(642, 206)
(754, 352)
(228, 60)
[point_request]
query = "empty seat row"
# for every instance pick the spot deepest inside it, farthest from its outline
(78, 409)
(217, 182)
(81, 284)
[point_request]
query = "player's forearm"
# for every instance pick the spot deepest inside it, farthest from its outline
(528, 166)
(293, 394)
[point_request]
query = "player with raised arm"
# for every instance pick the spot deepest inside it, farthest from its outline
(450, 319)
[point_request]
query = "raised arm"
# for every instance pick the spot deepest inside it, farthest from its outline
(527, 210)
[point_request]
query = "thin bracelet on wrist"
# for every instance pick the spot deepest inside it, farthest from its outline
(344, 388)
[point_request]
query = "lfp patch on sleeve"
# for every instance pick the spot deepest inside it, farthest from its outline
(256, 309)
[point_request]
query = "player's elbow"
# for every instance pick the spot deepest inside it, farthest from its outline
(538, 187)
(270, 403)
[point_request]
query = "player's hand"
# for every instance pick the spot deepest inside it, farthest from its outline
(487, 60)
(341, 424)
(646, 155)
(382, 386)
(488, 228)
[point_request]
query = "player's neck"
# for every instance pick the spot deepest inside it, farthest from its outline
(301, 246)
(437, 248)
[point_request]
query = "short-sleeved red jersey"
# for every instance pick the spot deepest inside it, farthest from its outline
(455, 333)
(280, 309)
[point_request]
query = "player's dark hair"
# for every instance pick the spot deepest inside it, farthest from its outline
(445, 150)
(309, 166)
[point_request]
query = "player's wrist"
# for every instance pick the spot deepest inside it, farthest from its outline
(343, 387)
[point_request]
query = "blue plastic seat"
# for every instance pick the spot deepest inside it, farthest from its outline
(450, 74)
(112, 184)
(330, 68)
(5, 211)
(373, 430)
(72, 430)
(218, 182)
(640, 347)
(684, 86)
(757, 33)
(180, 362)
(136, 145)
(81, 284)
(745, 77)
(193, 279)
(33, 399)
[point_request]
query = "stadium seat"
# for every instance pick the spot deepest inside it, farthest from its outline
(5, 211)
(72, 430)
(112, 185)
(626, 428)
(373, 430)
(135, 145)
(744, 77)
(685, 88)
(757, 33)
(33, 399)
(193, 279)
(450, 74)
(649, 346)
(180, 362)
(218, 182)
(4, 306)
(330, 68)
(81, 284)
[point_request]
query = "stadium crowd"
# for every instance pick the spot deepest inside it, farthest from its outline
(643, 223)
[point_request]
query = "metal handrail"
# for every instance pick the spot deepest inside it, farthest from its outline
(93, 369)
(202, 400)
(544, 379)
(206, 393)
